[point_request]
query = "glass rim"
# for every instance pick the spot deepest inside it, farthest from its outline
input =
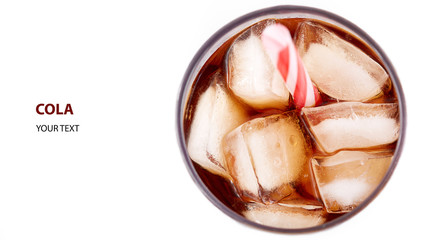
(283, 11)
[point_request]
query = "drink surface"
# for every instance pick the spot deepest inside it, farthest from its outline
(315, 181)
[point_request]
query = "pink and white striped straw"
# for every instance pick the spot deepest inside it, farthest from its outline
(278, 44)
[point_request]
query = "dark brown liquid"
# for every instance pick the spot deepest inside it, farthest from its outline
(222, 188)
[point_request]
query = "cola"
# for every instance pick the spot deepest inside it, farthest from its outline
(280, 165)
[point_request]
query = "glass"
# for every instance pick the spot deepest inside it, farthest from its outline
(214, 193)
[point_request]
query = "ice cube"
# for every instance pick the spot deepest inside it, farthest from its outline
(286, 215)
(265, 156)
(351, 125)
(252, 76)
(215, 115)
(296, 199)
(239, 165)
(305, 186)
(346, 179)
(338, 68)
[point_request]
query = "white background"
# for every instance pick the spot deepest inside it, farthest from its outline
(120, 64)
